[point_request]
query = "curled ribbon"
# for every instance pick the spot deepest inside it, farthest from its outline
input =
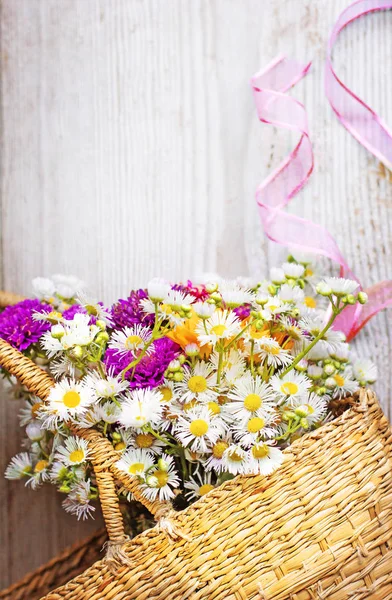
(275, 107)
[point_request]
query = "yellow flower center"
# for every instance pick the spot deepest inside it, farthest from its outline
(136, 468)
(204, 489)
(218, 330)
(120, 446)
(255, 424)
(189, 405)
(76, 456)
(236, 456)
(271, 350)
(260, 451)
(339, 380)
(40, 466)
(162, 478)
(289, 388)
(198, 427)
(144, 440)
(310, 302)
(214, 408)
(218, 449)
(252, 402)
(310, 409)
(35, 408)
(71, 399)
(309, 272)
(167, 394)
(133, 340)
(197, 384)
(255, 334)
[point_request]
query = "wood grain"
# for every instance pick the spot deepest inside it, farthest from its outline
(130, 148)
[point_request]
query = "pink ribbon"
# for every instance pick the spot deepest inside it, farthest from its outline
(275, 107)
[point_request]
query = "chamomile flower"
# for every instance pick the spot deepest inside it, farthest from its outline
(233, 365)
(311, 409)
(162, 480)
(341, 384)
(40, 474)
(198, 429)
(135, 462)
(293, 270)
(277, 276)
(68, 399)
(222, 325)
(141, 407)
(291, 293)
(204, 310)
(94, 308)
(250, 397)
(265, 458)
(290, 386)
(58, 472)
(167, 391)
(215, 459)
(44, 289)
(233, 295)
(78, 501)
(198, 486)
(30, 410)
(62, 366)
(340, 286)
(197, 383)
(251, 431)
(105, 387)
(274, 306)
(237, 461)
(67, 286)
(365, 371)
(177, 299)
(78, 331)
(272, 353)
(19, 467)
(131, 339)
(74, 452)
(158, 289)
(144, 441)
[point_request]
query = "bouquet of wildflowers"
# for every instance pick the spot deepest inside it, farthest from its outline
(192, 384)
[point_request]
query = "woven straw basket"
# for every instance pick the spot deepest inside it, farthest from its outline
(320, 527)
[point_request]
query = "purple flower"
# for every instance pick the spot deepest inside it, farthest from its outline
(198, 291)
(150, 371)
(242, 311)
(126, 313)
(18, 327)
(73, 310)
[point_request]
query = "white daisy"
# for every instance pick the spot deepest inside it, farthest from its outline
(251, 431)
(67, 400)
(215, 460)
(67, 286)
(237, 461)
(40, 474)
(135, 462)
(340, 286)
(74, 452)
(144, 441)
(233, 295)
(162, 480)
(198, 486)
(312, 409)
(293, 270)
(233, 365)
(78, 331)
(277, 276)
(105, 387)
(265, 458)
(291, 293)
(30, 410)
(204, 310)
(78, 500)
(274, 306)
(58, 472)
(251, 397)
(158, 289)
(197, 383)
(198, 429)
(341, 384)
(271, 352)
(44, 289)
(131, 339)
(177, 300)
(19, 467)
(141, 407)
(167, 391)
(290, 386)
(62, 366)
(94, 308)
(222, 325)
(365, 371)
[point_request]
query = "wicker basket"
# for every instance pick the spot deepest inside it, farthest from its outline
(320, 527)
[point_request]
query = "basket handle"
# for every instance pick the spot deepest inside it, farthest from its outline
(103, 455)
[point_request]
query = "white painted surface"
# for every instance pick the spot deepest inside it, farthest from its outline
(131, 147)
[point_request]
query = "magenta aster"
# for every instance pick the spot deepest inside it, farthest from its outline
(150, 371)
(126, 313)
(18, 327)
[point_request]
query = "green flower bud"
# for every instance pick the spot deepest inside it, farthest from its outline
(101, 324)
(272, 289)
(329, 369)
(349, 299)
(162, 464)
(259, 324)
(116, 436)
(304, 424)
(362, 297)
(178, 376)
(211, 287)
(102, 337)
(65, 488)
(77, 351)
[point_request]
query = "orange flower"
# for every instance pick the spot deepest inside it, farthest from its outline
(185, 334)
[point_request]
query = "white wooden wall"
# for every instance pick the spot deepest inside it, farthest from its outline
(130, 148)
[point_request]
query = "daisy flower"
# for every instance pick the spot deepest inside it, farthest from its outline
(293, 270)
(237, 461)
(58, 472)
(198, 486)
(162, 480)
(30, 410)
(135, 462)
(204, 310)
(74, 452)
(290, 386)
(215, 460)
(197, 383)
(19, 467)
(291, 293)
(247, 433)
(40, 474)
(144, 441)
(265, 458)
(271, 352)
(78, 500)
(67, 286)
(44, 289)
(233, 295)
(167, 391)
(198, 429)
(177, 300)
(95, 308)
(233, 365)
(365, 371)
(158, 289)
(131, 339)
(313, 408)
(340, 286)
(222, 325)
(251, 397)
(141, 407)
(277, 275)
(341, 384)
(105, 387)
(68, 399)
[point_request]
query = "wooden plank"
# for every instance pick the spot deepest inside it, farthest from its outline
(131, 149)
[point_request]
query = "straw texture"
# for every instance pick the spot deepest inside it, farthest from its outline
(72, 561)
(318, 528)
